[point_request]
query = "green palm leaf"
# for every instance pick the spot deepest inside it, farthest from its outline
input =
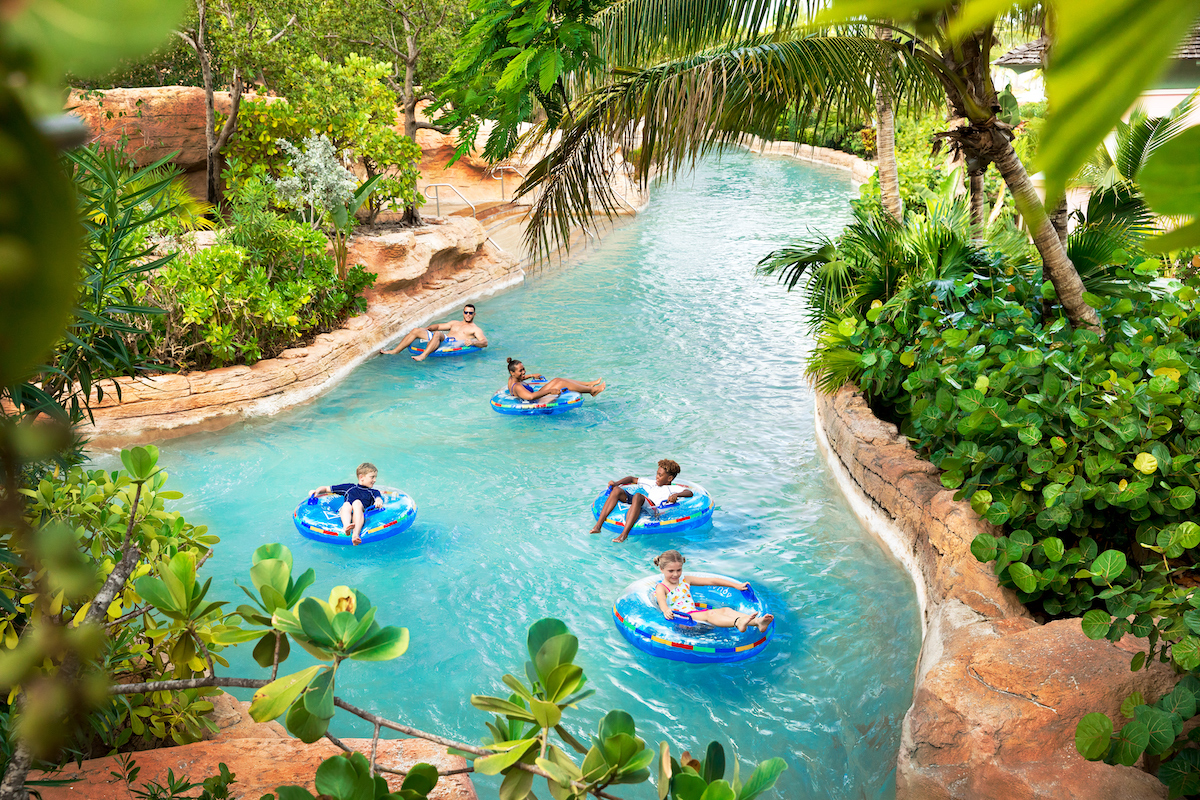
(676, 112)
(638, 32)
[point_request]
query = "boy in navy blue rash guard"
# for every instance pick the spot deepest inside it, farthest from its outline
(359, 497)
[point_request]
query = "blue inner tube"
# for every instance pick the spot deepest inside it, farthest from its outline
(504, 402)
(638, 618)
(687, 514)
(449, 347)
(321, 522)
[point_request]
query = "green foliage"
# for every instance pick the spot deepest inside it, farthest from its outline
(40, 252)
(348, 777)
(1154, 730)
(516, 60)
(267, 283)
(271, 575)
(214, 787)
(121, 207)
(82, 37)
(1105, 55)
(83, 516)
(351, 105)
(343, 628)
(690, 779)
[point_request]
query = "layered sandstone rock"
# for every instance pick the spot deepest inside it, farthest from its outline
(259, 766)
(997, 695)
(422, 272)
(262, 756)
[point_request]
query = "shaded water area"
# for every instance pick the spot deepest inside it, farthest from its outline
(704, 364)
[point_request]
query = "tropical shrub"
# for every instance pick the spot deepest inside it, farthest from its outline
(265, 285)
(120, 206)
(521, 730)
(1082, 449)
(348, 103)
(84, 513)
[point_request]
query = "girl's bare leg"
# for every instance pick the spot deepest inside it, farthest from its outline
(728, 618)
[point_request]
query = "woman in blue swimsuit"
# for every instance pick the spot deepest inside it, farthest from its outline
(521, 386)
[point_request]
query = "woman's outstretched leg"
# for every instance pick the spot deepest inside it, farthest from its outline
(558, 384)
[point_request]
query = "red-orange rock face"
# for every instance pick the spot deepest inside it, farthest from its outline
(997, 695)
(260, 765)
(153, 121)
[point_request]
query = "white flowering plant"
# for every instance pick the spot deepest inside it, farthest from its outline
(319, 183)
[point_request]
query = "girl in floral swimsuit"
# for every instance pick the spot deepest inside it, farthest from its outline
(673, 594)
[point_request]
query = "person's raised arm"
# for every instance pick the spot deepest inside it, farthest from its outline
(660, 594)
(320, 490)
(717, 580)
(676, 495)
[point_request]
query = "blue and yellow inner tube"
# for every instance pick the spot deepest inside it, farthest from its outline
(639, 619)
(449, 347)
(687, 514)
(504, 402)
(321, 521)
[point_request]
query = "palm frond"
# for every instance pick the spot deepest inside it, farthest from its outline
(674, 113)
(1093, 249)
(638, 32)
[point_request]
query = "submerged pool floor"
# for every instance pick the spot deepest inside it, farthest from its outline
(704, 364)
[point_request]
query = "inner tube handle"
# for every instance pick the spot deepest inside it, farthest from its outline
(749, 594)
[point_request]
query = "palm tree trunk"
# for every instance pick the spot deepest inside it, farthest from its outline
(412, 213)
(1055, 264)
(978, 199)
(885, 145)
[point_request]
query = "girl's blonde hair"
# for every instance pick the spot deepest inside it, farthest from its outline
(669, 557)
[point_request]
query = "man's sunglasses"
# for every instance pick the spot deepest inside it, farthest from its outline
(469, 313)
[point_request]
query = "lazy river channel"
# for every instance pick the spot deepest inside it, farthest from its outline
(704, 364)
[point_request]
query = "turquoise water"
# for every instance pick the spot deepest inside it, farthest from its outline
(704, 365)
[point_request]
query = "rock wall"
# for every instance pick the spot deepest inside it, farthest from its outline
(860, 169)
(997, 694)
(422, 272)
(261, 755)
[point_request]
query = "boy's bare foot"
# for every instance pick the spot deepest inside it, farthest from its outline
(595, 529)
(764, 622)
(356, 540)
(620, 538)
(598, 389)
(349, 526)
(419, 358)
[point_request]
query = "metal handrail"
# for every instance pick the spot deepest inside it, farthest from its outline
(500, 168)
(437, 199)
